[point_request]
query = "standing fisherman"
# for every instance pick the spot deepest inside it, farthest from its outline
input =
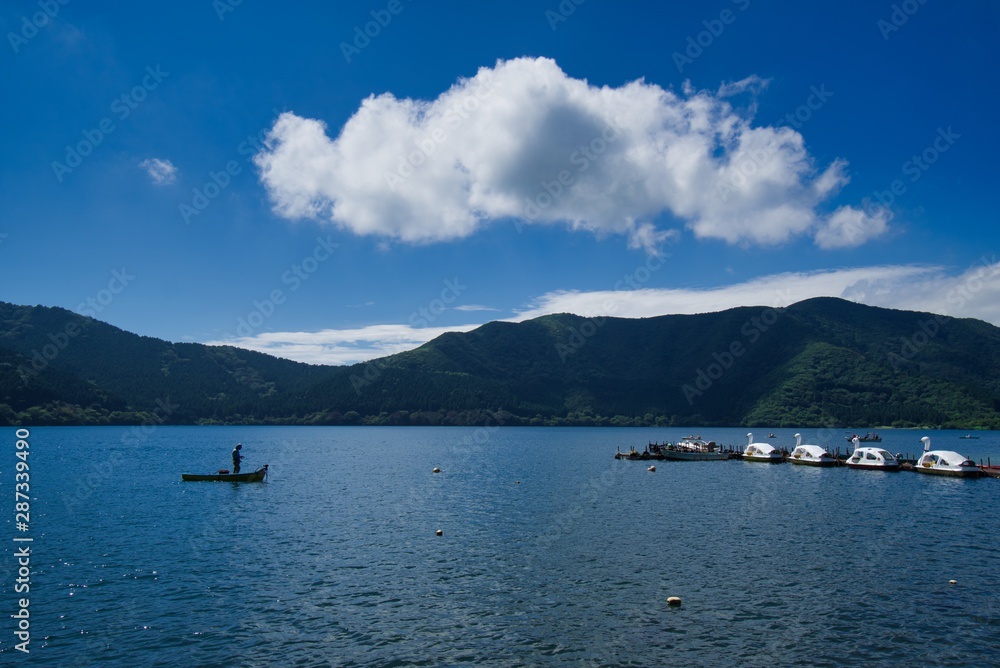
(237, 457)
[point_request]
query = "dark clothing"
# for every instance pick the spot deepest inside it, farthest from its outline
(236, 460)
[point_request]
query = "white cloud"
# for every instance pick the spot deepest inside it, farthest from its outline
(971, 293)
(775, 290)
(848, 227)
(340, 346)
(162, 172)
(752, 83)
(523, 140)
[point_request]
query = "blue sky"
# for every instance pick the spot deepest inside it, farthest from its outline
(332, 182)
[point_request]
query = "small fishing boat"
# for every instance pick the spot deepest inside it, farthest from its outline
(691, 450)
(871, 458)
(968, 436)
(761, 452)
(810, 455)
(255, 476)
(867, 438)
(945, 462)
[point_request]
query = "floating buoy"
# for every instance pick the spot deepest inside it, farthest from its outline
(439, 532)
(517, 482)
(652, 469)
(674, 601)
(436, 470)
(953, 582)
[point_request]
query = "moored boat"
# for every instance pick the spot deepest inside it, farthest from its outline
(810, 455)
(254, 476)
(945, 462)
(871, 458)
(635, 455)
(692, 450)
(761, 452)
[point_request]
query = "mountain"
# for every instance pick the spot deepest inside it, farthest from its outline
(820, 362)
(110, 375)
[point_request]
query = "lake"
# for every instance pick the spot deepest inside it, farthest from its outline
(552, 552)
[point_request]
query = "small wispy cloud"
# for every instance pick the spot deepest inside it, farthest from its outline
(163, 172)
(475, 307)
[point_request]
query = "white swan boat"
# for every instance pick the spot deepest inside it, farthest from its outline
(761, 452)
(872, 458)
(810, 455)
(945, 462)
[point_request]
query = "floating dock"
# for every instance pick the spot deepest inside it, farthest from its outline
(655, 452)
(989, 470)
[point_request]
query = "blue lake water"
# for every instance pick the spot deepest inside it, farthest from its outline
(553, 553)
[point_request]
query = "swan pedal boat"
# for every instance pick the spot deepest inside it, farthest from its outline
(761, 452)
(945, 462)
(872, 459)
(254, 476)
(810, 455)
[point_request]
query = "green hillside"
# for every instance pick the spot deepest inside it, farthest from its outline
(821, 362)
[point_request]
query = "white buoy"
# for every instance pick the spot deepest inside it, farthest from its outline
(674, 601)
(953, 582)
(439, 532)
(652, 469)
(436, 470)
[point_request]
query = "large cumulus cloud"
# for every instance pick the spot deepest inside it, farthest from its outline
(524, 141)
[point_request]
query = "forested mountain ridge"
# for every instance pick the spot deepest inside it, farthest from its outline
(821, 362)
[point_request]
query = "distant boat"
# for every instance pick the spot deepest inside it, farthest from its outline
(875, 459)
(945, 462)
(761, 452)
(968, 436)
(810, 455)
(867, 438)
(255, 476)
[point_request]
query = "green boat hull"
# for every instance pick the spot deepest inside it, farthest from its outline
(255, 476)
